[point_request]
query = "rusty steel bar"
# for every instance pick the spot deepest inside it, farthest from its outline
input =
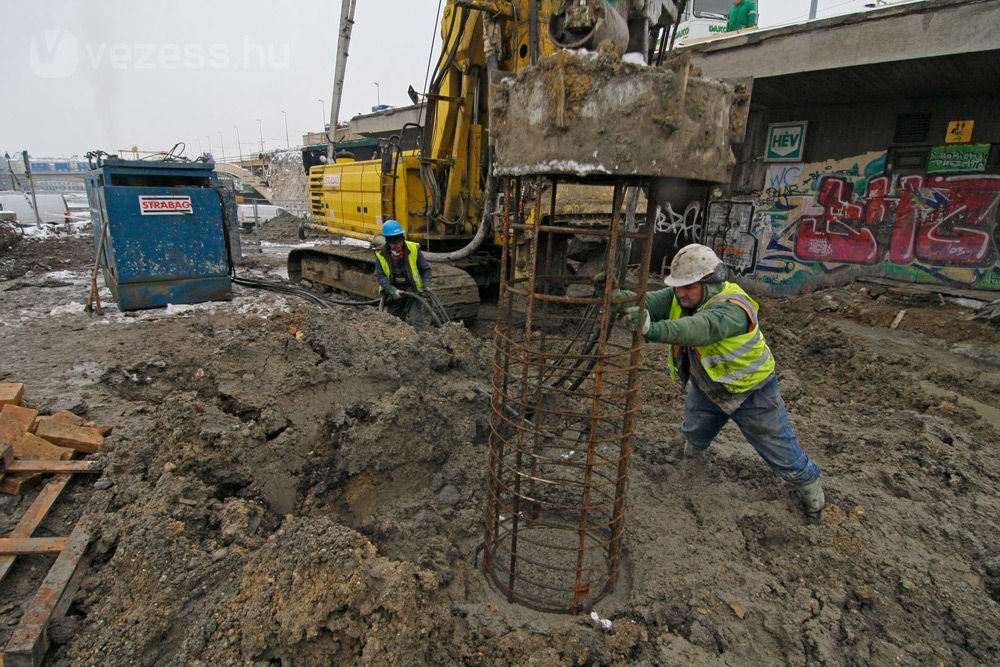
(564, 388)
(619, 511)
(491, 519)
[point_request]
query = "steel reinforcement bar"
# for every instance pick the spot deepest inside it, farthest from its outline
(563, 398)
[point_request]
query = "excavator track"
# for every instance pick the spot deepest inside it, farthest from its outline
(351, 270)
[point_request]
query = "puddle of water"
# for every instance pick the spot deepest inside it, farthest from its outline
(987, 412)
(84, 374)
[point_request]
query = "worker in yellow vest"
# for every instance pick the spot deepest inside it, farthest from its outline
(711, 325)
(401, 267)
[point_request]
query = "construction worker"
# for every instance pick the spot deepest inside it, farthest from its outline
(401, 267)
(716, 342)
(743, 14)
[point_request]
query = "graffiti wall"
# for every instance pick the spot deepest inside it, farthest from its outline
(824, 224)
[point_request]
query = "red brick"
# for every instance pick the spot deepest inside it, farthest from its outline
(30, 446)
(11, 393)
(63, 417)
(15, 421)
(81, 438)
(14, 483)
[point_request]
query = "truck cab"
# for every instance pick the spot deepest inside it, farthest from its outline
(703, 19)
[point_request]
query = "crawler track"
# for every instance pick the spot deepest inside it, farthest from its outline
(351, 270)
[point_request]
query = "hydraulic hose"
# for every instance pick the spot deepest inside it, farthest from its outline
(272, 286)
(429, 301)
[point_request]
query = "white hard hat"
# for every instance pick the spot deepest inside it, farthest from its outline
(692, 263)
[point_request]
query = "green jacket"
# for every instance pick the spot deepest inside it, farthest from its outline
(742, 15)
(717, 321)
(720, 336)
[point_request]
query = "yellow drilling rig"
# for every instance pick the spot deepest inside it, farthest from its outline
(444, 192)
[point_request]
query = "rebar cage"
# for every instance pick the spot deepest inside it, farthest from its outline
(563, 399)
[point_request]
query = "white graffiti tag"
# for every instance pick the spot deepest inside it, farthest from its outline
(685, 226)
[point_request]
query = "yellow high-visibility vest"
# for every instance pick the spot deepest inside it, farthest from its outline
(411, 255)
(738, 363)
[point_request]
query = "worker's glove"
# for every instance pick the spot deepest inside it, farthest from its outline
(620, 308)
(637, 319)
(425, 288)
(393, 293)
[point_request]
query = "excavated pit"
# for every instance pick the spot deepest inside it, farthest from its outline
(294, 486)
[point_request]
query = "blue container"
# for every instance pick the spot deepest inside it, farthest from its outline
(165, 235)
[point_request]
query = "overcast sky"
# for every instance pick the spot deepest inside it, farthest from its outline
(110, 74)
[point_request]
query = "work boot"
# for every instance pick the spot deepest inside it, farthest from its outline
(695, 459)
(813, 499)
(692, 453)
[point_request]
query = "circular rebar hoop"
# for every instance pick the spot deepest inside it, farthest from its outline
(564, 392)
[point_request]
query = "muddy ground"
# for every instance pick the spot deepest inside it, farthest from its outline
(293, 486)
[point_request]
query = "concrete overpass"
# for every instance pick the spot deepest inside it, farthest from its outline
(950, 47)
(896, 169)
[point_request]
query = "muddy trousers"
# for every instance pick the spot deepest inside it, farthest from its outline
(764, 422)
(407, 310)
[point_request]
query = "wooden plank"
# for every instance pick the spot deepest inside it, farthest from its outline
(982, 295)
(34, 515)
(42, 465)
(19, 546)
(29, 641)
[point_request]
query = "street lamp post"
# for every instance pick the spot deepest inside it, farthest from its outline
(285, 116)
(209, 138)
(222, 147)
(260, 129)
(378, 94)
(239, 146)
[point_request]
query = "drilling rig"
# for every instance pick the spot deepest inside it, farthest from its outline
(445, 192)
(546, 124)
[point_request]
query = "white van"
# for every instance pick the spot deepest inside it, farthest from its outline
(245, 214)
(52, 208)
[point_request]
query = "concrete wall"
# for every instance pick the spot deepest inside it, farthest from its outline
(847, 211)
(842, 130)
(826, 223)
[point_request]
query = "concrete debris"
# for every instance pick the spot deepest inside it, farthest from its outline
(594, 114)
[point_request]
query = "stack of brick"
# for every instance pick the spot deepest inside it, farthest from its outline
(56, 437)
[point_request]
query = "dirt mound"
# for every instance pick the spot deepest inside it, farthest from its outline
(293, 486)
(283, 227)
(40, 256)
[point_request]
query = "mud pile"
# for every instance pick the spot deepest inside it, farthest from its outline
(283, 227)
(293, 486)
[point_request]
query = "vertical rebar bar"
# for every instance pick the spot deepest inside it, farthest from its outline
(564, 386)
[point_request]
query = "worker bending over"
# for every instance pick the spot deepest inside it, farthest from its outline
(401, 267)
(716, 342)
